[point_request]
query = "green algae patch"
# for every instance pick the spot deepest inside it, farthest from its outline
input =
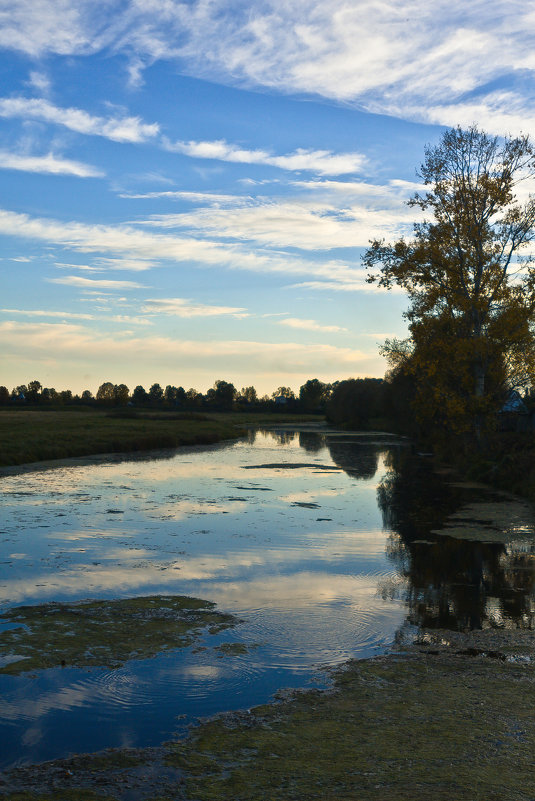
(410, 727)
(450, 717)
(503, 520)
(58, 795)
(104, 633)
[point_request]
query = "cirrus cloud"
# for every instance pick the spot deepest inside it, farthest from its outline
(119, 129)
(182, 307)
(323, 162)
(49, 164)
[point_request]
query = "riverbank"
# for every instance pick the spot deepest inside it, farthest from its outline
(28, 435)
(449, 716)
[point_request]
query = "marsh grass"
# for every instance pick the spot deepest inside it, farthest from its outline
(33, 436)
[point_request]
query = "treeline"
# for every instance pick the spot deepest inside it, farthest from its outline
(354, 402)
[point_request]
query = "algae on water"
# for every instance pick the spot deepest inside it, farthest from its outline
(104, 633)
(503, 520)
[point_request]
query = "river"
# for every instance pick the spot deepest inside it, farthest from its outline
(326, 545)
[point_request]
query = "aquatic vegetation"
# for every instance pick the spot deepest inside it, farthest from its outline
(499, 520)
(441, 719)
(104, 633)
(410, 727)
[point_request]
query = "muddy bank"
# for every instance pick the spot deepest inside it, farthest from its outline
(447, 716)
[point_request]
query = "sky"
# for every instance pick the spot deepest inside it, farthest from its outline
(187, 188)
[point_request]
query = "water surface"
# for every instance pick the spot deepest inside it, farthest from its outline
(282, 529)
(326, 545)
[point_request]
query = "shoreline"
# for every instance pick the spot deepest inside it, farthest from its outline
(443, 717)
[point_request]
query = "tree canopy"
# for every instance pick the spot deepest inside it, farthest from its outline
(472, 295)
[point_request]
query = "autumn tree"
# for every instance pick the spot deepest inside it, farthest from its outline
(472, 295)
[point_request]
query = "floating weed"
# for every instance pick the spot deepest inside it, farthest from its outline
(104, 633)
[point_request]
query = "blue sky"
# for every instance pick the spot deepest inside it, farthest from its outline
(187, 188)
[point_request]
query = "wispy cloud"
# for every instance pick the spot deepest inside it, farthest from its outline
(74, 342)
(135, 265)
(39, 81)
(129, 242)
(411, 56)
(94, 283)
(310, 325)
(323, 162)
(43, 313)
(49, 164)
(207, 198)
(182, 307)
(327, 215)
(116, 318)
(119, 129)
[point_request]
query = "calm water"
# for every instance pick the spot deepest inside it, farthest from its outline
(307, 537)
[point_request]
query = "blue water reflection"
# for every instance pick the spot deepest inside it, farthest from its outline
(282, 529)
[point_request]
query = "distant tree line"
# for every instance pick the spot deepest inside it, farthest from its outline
(354, 402)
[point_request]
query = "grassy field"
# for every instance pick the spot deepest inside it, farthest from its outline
(33, 436)
(28, 435)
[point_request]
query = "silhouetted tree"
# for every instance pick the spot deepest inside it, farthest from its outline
(283, 392)
(120, 394)
(170, 395)
(49, 395)
(155, 394)
(106, 393)
(224, 395)
(313, 395)
(33, 391)
(471, 303)
(4, 396)
(247, 395)
(355, 400)
(139, 395)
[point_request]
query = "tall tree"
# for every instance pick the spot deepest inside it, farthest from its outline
(472, 296)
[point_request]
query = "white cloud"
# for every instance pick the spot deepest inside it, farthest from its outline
(83, 267)
(128, 242)
(49, 164)
(67, 341)
(116, 318)
(181, 307)
(119, 129)
(385, 56)
(42, 313)
(93, 283)
(317, 220)
(39, 81)
(323, 162)
(135, 265)
(310, 325)
(210, 198)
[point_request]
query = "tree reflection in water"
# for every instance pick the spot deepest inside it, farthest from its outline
(452, 583)
(358, 458)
